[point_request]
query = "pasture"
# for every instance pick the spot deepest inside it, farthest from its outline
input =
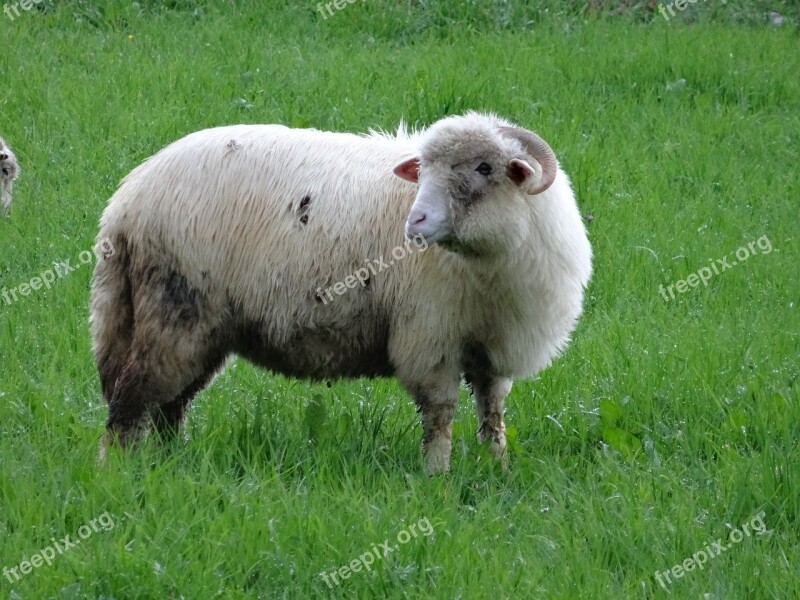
(667, 432)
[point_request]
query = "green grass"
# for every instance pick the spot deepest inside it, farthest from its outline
(664, 424)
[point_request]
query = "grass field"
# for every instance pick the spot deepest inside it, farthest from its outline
(669, 423)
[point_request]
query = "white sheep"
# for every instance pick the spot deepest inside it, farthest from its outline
(224, 239)
(9, 170)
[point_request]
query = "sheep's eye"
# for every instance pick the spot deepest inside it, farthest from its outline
(5, 171)
(484, 168)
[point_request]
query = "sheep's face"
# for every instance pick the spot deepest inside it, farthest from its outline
(8, 173)
(8, 164)
(474, 186)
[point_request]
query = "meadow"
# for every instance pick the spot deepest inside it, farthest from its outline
(669, 427)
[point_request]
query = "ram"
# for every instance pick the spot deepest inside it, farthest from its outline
(9, 170)
(229, 241)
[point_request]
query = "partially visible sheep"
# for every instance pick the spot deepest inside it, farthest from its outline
(225, 238)
(9, 170)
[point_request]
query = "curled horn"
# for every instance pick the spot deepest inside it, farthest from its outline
(538, 149)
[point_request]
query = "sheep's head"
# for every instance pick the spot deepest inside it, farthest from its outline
(475, 174)
(9, 169)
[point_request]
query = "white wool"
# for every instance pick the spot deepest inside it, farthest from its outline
(223, 201)
(230, 236)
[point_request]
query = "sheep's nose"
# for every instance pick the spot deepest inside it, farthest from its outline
(416, 220)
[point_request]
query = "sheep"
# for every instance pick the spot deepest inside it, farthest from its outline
(9, 171)
(225, 238)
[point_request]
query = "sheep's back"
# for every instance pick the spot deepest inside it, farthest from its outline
(265, 217)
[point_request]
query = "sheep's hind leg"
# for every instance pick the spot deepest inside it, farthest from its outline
(155, 390)
(167, 418)
(137, 390)
(177, 346)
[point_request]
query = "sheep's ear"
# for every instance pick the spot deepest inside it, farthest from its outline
(521, 173)
(408, 170)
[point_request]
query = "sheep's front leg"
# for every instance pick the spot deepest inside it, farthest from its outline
(437, 423)
(437, 403)
(490, 395)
